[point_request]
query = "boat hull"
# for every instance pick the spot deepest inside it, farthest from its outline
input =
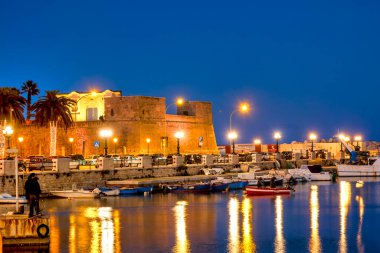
(344, 170)
(74, 194)
(8, 199)
(238, 185)
(136, 190)
(254, 191)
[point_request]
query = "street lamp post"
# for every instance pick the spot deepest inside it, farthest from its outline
(179, 102)
(148, 141)
(243, 107)
(105, 133)
(115, 140)
(357, 138)
(232, 136)
(277, 137)
(20, 140)
(8, 131)
(178, 135)
(71, 140)
(257, 142)
(312, 137)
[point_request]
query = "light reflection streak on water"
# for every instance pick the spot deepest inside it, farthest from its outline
(182, 243)
(360, 200)
(116, 218)
(345, 199)
(54, 234)
(72, 234)
(107, 229)
(315, 240)
(279, 244)
(233, 235)
(248, 243)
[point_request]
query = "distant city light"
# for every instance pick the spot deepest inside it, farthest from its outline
(257, 141)
(312, 136)
(277, 135)
(232, 135)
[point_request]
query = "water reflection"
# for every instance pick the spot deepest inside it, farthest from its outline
(233, 231)
(182, 242)
(315, 240)
(248, 244)
(100, 237)
(360, 200)
(345, 199)
(279, 243)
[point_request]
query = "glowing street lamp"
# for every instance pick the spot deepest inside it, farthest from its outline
(232, 136)
(257, 143)
(115, 140)
(178, 135)
(312, 137)
(8, 131)
(277, 136)
(358, 138)
(243, 108)
(341, 137)
(71, 140)
(20, 140)
(105, 133)
(179, 102)
(148, 141)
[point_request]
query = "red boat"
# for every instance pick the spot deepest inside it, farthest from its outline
(255, 191)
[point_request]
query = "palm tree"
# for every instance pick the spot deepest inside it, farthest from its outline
(53, 110)
(31, 89)
(11, 105)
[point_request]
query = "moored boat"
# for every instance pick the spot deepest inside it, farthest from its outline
(195, 188)
(109, 191)
(219, 187)
(135, 190)
(80, 193)
(6, 198)
(255, 191)
(372, 169)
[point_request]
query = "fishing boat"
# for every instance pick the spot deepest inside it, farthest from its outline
(109, 191)
(6, 198)
(255, 191)
(80, 193)
(371, 169)
(135, 190)
(310, 173)
(233, 183)
(219, 186)
(182, 188)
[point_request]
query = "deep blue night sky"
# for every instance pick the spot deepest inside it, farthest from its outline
(304, 65)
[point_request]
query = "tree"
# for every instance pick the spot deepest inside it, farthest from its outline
(11, 105)
(31, 89)
(53, 108)
(52, 111)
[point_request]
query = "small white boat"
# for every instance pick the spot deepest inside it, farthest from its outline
(80, 193)
(6, 198)
(109, 191)
(310, 173)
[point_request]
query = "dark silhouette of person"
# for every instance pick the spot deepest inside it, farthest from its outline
(32, 192)
(273, 182)
(260, 182)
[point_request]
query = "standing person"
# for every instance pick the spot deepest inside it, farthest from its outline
(32, 192)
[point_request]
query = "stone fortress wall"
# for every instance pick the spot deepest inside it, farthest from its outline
(132, 119)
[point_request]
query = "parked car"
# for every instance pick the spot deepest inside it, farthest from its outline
(40, 163)
(193, 159)
(158, 159)
(76, 161)
(91, 160)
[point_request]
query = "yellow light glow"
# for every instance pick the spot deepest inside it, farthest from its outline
(248, 243)
(345, 199)
(180, 101)
(115, 139)
(71, 139)
(147, 140)
(244, 107)
(312, 136)
(105, 133)
(257, 141)
(277, 135)
(20, 139)
(233, 232)
(358, 138)
(279, 244)
(315, 240)
(347, 138)
(182, 244)
(342, 137)
(179, 135)
(94, 93)
(8, 131)
(232, 135)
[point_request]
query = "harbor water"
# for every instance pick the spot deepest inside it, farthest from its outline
(318, 217)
